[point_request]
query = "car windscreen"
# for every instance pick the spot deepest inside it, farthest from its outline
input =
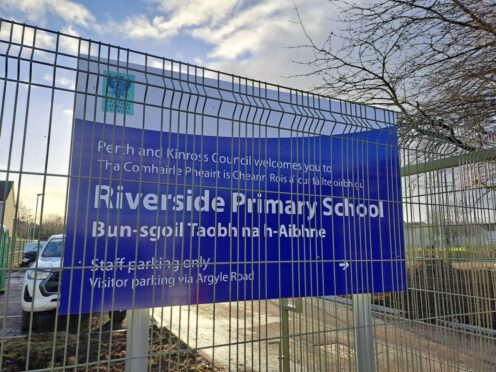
(33, 246)
(53, 248)
(30, 247)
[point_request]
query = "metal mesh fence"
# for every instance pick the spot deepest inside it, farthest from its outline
(242, 225)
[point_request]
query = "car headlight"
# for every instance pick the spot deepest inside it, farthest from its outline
(38, 274)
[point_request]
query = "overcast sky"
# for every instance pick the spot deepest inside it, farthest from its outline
(249, 38)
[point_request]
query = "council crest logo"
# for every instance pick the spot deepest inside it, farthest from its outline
(118, 93)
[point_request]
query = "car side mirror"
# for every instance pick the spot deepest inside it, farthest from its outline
(28, 258)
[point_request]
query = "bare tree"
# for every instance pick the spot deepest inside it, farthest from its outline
(23, 221)
(51, 225)
(431, 60)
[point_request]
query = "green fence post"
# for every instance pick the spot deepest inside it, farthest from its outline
(4, 256)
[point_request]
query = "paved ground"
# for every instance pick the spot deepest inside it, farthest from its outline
(10, 305)
(245, 336)
(236, 336)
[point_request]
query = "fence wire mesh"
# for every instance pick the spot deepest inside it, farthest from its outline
(80, 121)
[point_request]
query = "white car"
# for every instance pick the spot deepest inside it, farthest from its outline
(40, 289)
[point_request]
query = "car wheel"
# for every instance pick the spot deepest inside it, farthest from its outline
(26, 318)
(117, 316)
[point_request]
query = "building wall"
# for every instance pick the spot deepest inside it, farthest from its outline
(9, 206)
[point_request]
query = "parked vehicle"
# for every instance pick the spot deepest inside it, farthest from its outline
(40, 290)
(33, 246)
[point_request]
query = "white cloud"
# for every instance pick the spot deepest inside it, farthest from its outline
(70, 42)
(183, 14)
(26, 36)
(36, 10)
(212, 21)
(199, 61)
(72, 12)
(69, 30)
(244, 37)
(176, 16)
(61, 81)
(136, 27)
(260, 42)
(249, 21)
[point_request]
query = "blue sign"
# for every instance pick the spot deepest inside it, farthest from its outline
(161, 218)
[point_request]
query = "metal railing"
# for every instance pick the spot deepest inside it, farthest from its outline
(165, 178)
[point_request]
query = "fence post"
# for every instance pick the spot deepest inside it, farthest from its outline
(137, 340)
(284, 358)
(284, 355)
(364, 337)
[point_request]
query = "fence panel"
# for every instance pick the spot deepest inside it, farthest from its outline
(179, 218)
